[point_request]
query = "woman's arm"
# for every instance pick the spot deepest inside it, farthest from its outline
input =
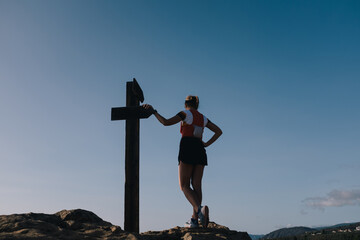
(166, 122)
(217, 133)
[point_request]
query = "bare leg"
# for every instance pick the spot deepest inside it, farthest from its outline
(185, 175)
(196, 180)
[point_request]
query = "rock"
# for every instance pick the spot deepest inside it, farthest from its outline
(81, 224)
(115, 229)
(213, 232)
(188, 236)
(73, 224)
(80, 216)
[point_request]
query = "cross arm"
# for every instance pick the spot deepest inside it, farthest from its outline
(123, 113)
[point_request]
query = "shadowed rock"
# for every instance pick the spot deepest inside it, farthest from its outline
(81, 224)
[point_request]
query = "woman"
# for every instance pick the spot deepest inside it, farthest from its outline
(192, 155)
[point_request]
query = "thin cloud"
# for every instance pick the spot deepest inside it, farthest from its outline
(335, 198)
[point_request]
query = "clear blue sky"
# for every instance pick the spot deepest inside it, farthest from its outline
(281, 78)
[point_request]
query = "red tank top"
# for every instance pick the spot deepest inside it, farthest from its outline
(196, 128)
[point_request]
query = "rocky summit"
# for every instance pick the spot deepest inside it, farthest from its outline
(81, 224)
(213, 232)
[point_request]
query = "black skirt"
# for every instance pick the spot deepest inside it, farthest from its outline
(192, 151)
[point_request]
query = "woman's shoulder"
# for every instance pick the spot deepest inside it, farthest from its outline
(191, 112)
(186, 111)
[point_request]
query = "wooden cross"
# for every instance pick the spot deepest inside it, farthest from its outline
(132, 113)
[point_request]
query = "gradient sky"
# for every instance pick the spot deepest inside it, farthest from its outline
(281, 78)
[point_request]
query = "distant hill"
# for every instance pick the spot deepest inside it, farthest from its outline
(287, 232)
(340, 225)
(343, 231)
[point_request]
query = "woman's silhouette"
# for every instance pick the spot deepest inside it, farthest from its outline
(192, 155)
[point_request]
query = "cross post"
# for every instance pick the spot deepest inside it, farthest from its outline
(132, 114)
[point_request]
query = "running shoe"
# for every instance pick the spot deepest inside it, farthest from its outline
(192, 223)
(204, 216)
